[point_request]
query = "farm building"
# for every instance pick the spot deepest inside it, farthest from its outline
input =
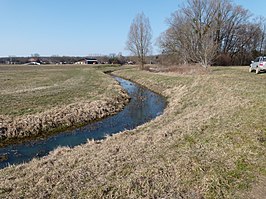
(87, 61)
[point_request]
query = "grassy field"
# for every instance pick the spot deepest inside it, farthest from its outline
(209, 143)
(38, 99)
(33, 89)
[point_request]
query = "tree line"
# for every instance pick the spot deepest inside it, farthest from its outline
(55, 59)
(208, 32)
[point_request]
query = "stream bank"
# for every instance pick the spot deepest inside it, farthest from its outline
(144, 106)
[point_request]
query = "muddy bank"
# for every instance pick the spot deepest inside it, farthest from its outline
(60, 117)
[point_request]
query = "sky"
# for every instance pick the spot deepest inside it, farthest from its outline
(83, 27)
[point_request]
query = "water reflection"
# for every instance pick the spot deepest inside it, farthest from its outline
(144, 106)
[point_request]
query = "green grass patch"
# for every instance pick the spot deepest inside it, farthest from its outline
(32, 89)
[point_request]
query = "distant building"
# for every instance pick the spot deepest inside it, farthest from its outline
(33, 63)
(87, 61)
(81, 62)
(34, 59)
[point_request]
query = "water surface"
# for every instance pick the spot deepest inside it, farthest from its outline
(143, 106)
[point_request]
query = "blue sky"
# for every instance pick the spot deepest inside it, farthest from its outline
(82, 27)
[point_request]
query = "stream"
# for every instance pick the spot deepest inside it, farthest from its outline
(144, 106)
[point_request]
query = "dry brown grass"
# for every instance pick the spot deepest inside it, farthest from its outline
(184, 69)
(209, 143)
(34, 89)
(70, 115)
(55, 97)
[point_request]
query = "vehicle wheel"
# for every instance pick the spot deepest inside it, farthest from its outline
(250, 69)
(257, 70)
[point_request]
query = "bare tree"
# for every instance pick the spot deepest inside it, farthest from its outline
(193, 31)
(139, 38)
(203, 29)
(262, 40)
(35, 55)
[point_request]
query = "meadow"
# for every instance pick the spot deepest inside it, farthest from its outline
(209, 143)
(39, 99)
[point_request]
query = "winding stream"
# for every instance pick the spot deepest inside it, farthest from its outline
(143, 106)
